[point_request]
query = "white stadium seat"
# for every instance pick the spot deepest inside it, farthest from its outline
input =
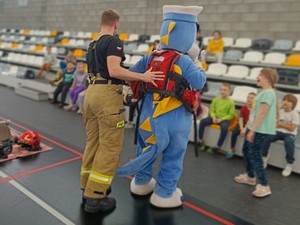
(237, 71)
(274, 58)
(240, 93)
(252, 56)
(254, 73)
(216, 69)
(242, 43)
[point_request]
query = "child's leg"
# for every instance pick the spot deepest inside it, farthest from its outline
(256, 158)
(64, 92)
(43, 67)
(57, 91)
(80, 99)
(289, 144)
(235, 133)
(76, 92)
(224, 130)
(48, 67)
(204, 122)
(267, 143)
(72, 96)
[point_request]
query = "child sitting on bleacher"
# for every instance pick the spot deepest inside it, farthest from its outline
(286, 130)
(48, 61)
(70, 57)
(78, 85)
(221, 111)
(241, 127)
(215, 46)
(64, 85)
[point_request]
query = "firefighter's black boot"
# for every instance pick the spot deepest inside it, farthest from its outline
(94, 205)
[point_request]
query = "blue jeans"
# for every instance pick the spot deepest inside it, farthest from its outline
(289, 144)
(253, 159)
(234, 135)
(223, 125)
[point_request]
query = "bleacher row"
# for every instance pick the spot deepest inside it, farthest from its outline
(23, 49)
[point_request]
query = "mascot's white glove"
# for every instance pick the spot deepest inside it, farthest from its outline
(194, 52)
(202, 55)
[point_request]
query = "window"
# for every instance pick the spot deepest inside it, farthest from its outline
(22, 2)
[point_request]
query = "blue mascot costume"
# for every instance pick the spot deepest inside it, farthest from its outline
(165, 123)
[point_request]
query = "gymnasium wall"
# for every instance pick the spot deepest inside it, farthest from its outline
(273, 19)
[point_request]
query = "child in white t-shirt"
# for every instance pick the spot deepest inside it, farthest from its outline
(286, 130)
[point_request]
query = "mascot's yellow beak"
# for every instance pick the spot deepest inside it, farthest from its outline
(165, 39)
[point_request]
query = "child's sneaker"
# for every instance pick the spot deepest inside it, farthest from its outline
(244, 179)
(230, 153)
(68, 107)
(80, 111)
(287, 170)
(201, 147)
(261, 191)
(210, 150)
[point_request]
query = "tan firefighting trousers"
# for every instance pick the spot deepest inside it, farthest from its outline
(104, 120)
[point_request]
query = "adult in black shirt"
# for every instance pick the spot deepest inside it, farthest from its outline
(103, 114)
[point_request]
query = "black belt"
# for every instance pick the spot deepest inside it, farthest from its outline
(105, 82)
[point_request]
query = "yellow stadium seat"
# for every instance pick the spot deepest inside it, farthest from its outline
(26, 31)
(123, 36)
(232, 124)
(14, 45)
(64, 41)
(78, 53)
(293, 60)
(95, 35)
(38, 48)
(53, 33)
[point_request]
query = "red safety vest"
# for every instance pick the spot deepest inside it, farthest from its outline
(173, 84)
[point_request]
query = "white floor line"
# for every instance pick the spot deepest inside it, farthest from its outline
(38, 201)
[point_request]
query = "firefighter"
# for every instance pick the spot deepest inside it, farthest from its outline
(103, 113)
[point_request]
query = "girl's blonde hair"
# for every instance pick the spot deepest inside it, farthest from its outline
(271, 75)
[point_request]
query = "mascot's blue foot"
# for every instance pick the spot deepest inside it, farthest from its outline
(144, 189)
(172, 202)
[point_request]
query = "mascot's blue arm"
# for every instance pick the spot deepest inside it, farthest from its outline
(194, 75)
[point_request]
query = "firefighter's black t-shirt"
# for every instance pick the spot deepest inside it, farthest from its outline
(107, 45)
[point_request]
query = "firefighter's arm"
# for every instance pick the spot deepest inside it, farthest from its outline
(116, 71)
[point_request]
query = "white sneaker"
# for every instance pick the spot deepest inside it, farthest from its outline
(261, 191)
(68, 107)
(287, 170)
(265, 161)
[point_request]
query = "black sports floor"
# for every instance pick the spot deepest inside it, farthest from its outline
(44, 189)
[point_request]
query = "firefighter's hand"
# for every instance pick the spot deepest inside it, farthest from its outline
(151, 76)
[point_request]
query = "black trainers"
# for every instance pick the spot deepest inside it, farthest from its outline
(94, 205)
(216, 149)
(108, 191)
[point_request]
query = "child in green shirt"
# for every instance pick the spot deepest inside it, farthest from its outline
(221, 112)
